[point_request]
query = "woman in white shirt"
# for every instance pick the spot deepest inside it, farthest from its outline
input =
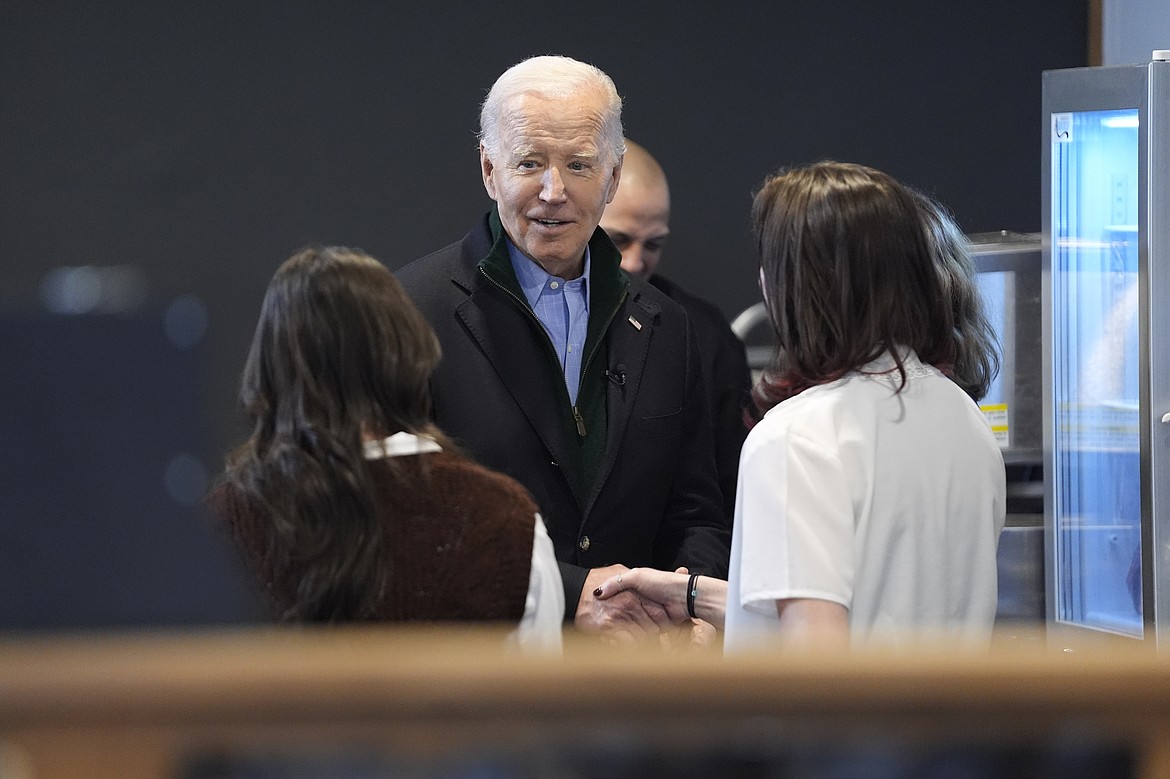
(871, 490)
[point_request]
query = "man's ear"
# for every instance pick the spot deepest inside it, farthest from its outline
(616, 178)
(487, 168)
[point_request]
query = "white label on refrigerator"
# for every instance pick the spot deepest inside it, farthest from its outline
(1062, 128)
(997, 418)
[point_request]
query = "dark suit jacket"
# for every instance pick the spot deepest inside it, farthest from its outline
(727, 381)
(499, 391)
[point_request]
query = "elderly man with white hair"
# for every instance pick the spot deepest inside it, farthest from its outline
(562, 371)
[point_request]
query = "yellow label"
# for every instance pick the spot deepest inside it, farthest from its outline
(996, 415)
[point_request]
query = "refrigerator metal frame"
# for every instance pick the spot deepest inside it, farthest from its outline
(1145, 87)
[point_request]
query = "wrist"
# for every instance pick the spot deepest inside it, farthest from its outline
(709, 602)
(692, 593)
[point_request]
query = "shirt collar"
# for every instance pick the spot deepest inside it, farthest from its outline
(533, 278)
(398, 445)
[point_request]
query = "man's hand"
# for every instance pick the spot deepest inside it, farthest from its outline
(625, 618)
(691, 635)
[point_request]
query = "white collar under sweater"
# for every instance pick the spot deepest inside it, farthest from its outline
(398, 445)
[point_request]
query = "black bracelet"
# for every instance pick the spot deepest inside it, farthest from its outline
(691, 593)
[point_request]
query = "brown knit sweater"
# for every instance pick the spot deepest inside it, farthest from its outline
(459, 540)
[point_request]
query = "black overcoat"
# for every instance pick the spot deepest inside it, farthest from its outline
(654, 499)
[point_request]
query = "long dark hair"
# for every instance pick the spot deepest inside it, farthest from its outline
(851, 267)
(976, 360)
(339, 352)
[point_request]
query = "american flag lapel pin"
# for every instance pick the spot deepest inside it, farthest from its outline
(637, 325)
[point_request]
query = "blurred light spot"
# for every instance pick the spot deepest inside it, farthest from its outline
(71, 290)
(186, 479)
(86, 289)
(185, 321)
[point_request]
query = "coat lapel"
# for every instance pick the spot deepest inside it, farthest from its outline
(630, 334)
(514, 344)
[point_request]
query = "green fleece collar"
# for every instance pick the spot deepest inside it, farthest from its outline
(607, 283)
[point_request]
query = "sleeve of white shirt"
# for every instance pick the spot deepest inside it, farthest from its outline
(544, 608)
(798, 525)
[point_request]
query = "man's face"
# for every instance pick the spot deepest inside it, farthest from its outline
(638, 222)
(552, 177)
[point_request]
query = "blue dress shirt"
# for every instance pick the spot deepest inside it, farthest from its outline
(562, 307)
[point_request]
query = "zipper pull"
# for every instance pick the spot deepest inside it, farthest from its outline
(580, 422)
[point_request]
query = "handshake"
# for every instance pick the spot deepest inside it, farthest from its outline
(628, 606)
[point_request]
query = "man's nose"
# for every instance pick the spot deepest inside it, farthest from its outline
(553, 190)
(632, 258)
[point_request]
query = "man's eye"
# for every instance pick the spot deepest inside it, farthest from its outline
(619, 240)
(652, 246)
(527, 165)
(576, 165)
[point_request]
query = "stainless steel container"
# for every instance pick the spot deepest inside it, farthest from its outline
(1008, 266)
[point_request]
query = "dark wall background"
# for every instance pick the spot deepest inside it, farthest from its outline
(201, 143)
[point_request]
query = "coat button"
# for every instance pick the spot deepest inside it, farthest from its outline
(583, 544)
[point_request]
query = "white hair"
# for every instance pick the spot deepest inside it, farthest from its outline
(553, 77)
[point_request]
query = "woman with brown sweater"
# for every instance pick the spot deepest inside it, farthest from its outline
(346, 501)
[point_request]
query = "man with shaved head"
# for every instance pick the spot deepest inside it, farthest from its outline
(638, 222)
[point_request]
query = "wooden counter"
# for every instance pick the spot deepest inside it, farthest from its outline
(197, 705)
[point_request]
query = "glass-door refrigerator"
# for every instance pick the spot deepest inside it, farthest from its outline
(1105, 251)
